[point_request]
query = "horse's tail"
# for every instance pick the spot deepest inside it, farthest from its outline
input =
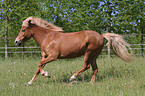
(119, 46)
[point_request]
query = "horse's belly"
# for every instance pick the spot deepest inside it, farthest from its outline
(72, 53)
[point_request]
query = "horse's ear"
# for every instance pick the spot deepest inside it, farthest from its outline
(30, 22)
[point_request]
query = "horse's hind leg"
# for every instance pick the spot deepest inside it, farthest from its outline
(86, 66)
(95, 69)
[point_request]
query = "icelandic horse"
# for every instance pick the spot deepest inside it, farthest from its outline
(57, 45)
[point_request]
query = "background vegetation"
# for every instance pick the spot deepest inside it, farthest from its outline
(117, 16)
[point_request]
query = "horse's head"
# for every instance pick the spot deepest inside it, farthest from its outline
(24, 35)
(29, 28)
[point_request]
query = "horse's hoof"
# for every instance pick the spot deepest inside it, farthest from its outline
(47, 74)
(29, 83)
(72, 78)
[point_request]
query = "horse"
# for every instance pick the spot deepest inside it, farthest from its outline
(55, 44)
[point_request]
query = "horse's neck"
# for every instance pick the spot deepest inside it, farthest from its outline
(40, 34)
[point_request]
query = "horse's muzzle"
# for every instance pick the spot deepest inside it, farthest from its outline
(18, 43)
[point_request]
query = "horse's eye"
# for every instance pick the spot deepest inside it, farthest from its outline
(23, 30)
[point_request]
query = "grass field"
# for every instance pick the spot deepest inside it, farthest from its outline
(115, 78)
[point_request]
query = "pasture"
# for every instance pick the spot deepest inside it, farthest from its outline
(115, 78)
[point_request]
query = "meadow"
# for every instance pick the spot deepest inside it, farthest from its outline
(115, 78)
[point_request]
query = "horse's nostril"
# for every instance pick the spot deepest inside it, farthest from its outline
(18, 43)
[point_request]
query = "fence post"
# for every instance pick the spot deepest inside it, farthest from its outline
(6, 37)
(108, 51)
(6, 44)
(23, 52)
(142, 42)
(109, 48)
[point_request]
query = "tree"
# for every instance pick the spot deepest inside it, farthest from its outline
(16, 11)
(121, 17)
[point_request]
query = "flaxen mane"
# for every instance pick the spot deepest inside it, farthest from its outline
(41, 23)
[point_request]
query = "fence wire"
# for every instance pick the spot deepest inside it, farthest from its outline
(12, 50)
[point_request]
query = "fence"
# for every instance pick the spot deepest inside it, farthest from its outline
(138, 49)
(105, 50)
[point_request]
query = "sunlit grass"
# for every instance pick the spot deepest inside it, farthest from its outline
(115, 78)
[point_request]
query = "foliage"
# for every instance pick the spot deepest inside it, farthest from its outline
(75, 15)
(121, 17)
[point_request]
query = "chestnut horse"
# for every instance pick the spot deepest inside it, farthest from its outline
(57, 45)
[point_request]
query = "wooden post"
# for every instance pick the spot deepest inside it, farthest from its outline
(6, 34)
(109, 48)
(6, 43)
(142, 51)
(109, 26)
(23, 52)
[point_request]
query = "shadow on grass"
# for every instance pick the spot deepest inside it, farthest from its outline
(108, 73)
(112, 72)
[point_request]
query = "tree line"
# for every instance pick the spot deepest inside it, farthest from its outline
(117, 16)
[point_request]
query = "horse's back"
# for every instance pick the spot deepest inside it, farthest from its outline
(71, 44)
(75, 44)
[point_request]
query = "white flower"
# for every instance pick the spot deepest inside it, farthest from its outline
(12, 84)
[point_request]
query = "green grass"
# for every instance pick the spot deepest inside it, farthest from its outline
(115, 78)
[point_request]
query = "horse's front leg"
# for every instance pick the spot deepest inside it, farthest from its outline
(34, 77)
(37, 72)
(43, 62)
(40, 70)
